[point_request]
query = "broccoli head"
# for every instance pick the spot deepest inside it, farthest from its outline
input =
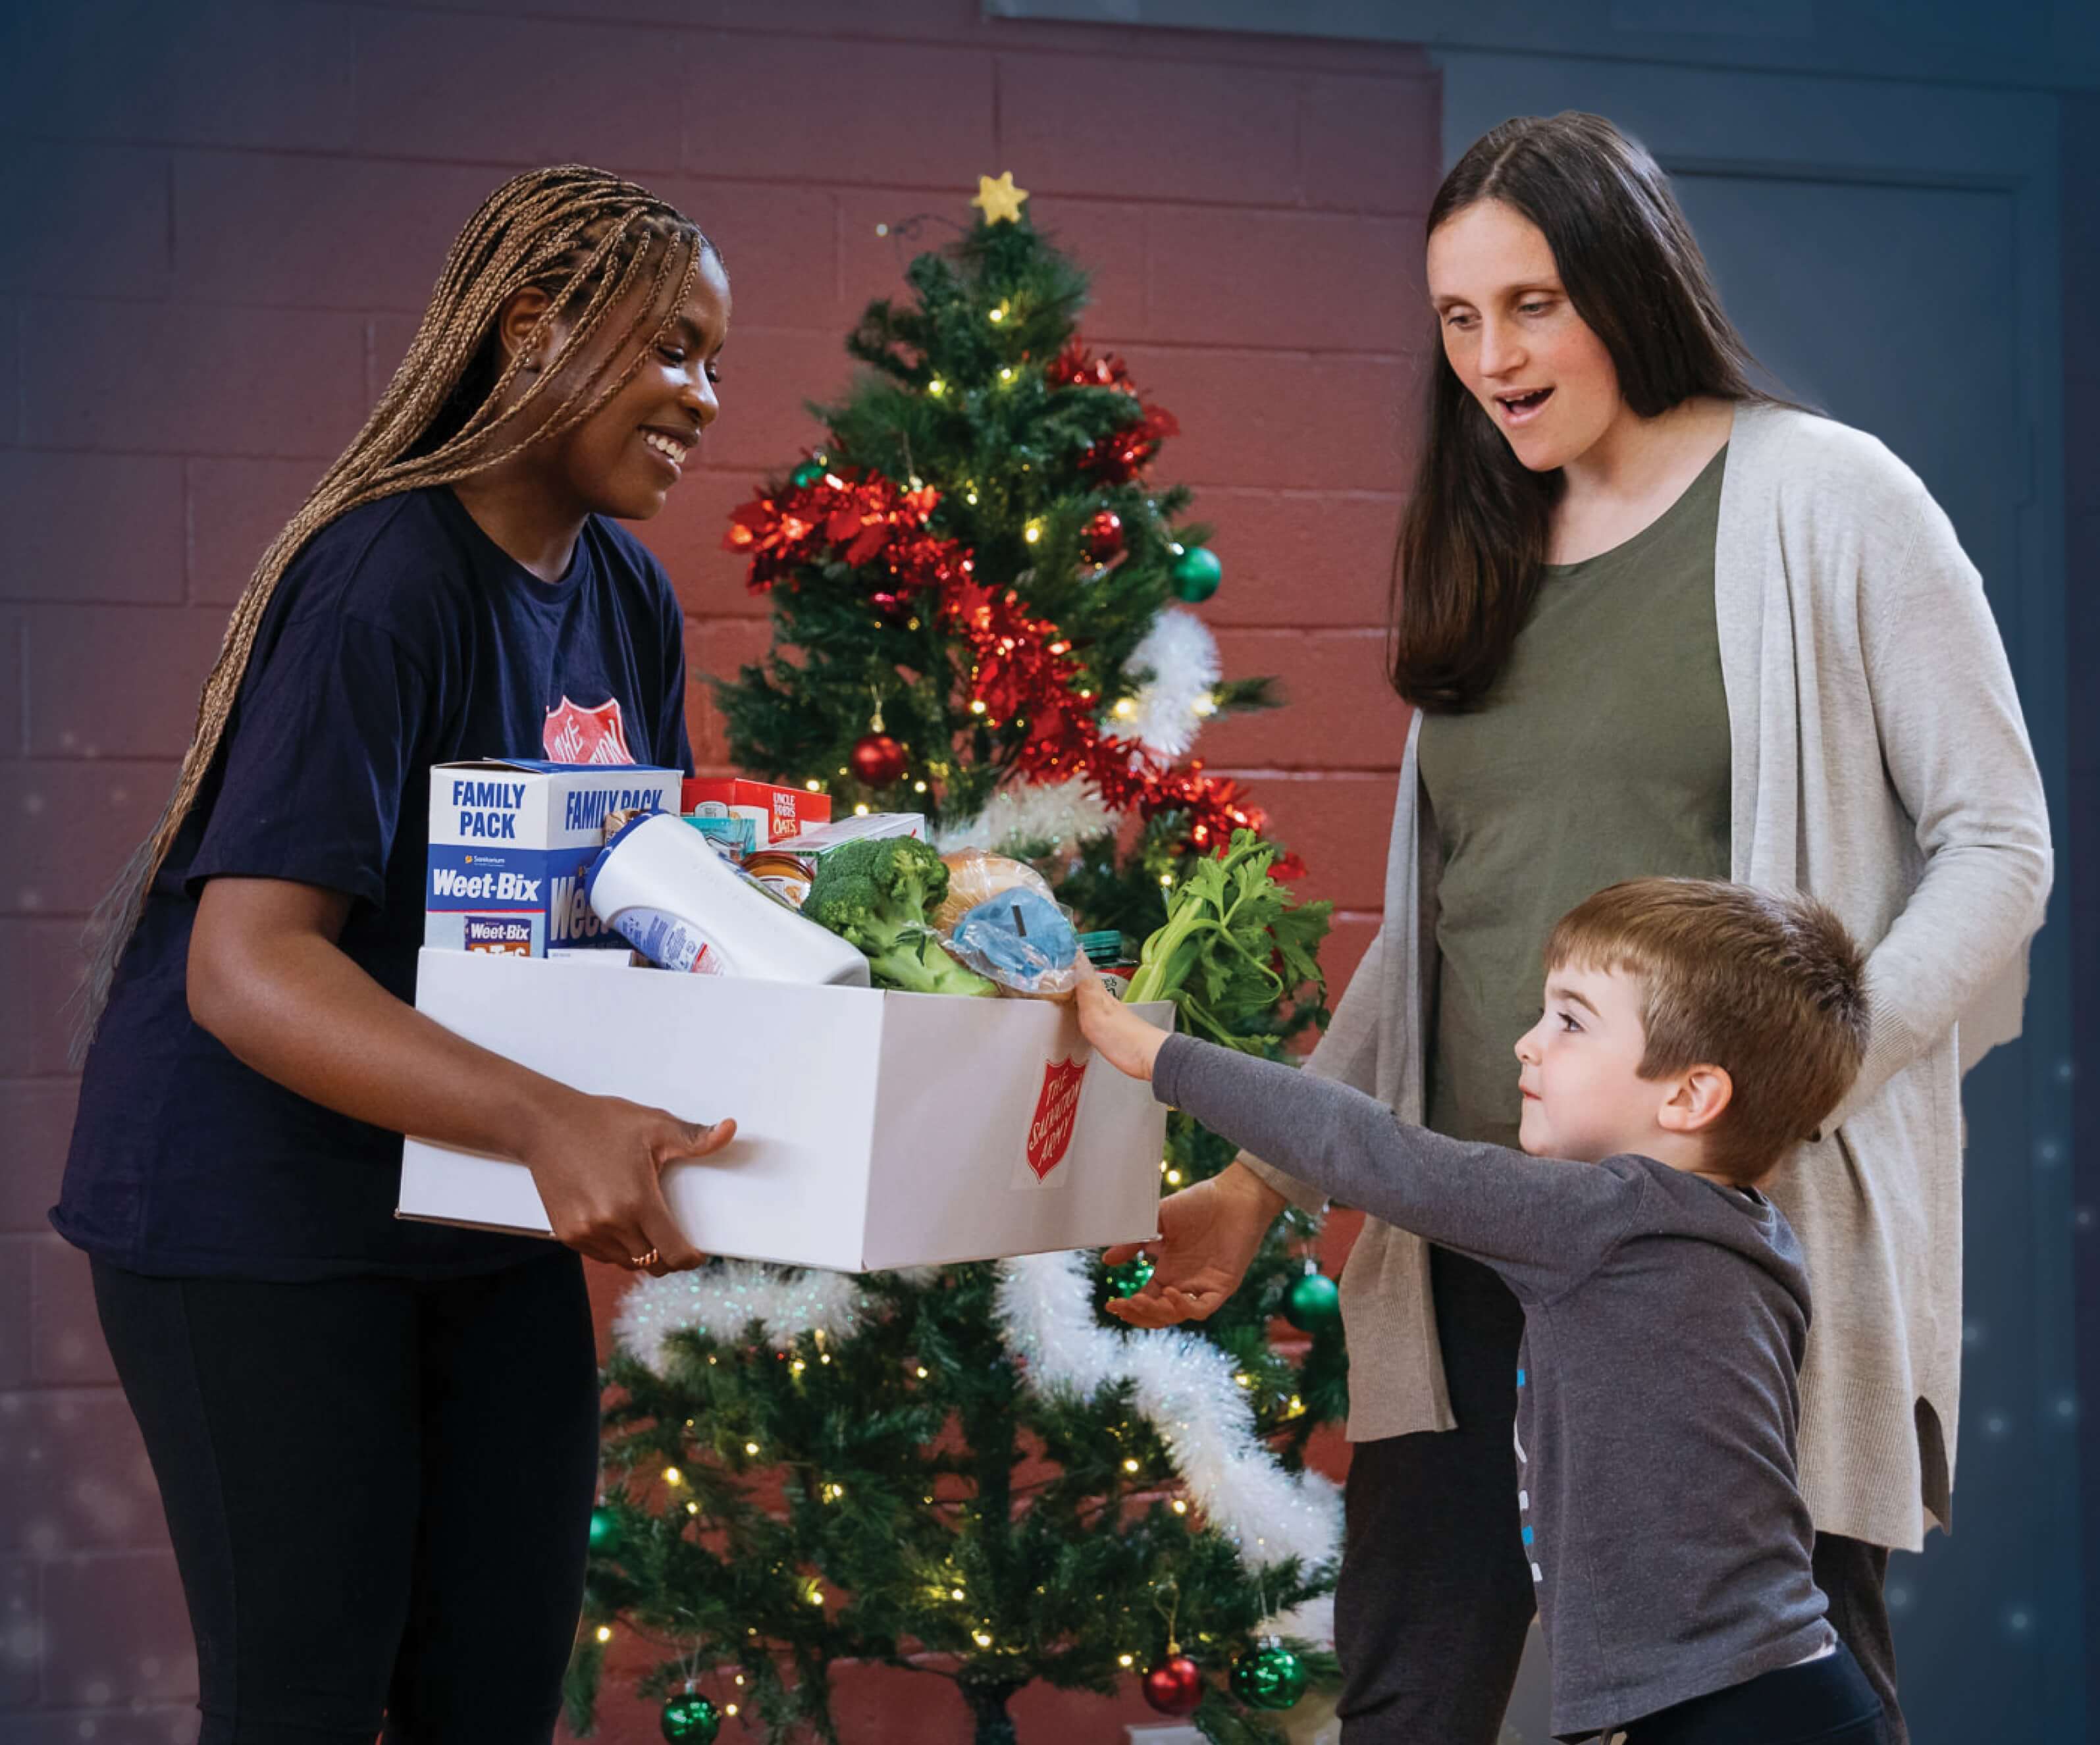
(880, 894)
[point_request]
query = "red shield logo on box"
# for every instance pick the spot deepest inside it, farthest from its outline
(574, 734)
(1050, 1133)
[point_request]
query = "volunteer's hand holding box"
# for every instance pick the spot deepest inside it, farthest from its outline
(876, 1129)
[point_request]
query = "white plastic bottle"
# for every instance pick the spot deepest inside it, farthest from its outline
(680, 904)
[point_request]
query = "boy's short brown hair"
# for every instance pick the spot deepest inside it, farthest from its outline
(1767, 985)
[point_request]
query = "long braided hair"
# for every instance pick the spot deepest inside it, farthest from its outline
(595, 245)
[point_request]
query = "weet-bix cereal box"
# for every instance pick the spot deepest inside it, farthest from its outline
(510, 843)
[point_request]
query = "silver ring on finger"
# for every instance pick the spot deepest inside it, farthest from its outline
(642, 1262)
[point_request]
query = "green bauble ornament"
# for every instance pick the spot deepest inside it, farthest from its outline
(691, 1718)
(1129, 1279)
(1197, 573)
(1312, 1303)
(606, 1532)
(1270, 1677)
(807, 474)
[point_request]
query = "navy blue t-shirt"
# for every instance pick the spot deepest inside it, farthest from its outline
(401, 636)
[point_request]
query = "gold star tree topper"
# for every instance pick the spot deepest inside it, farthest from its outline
(1000, 199)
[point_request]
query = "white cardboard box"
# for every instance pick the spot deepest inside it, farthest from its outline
(874, 1130)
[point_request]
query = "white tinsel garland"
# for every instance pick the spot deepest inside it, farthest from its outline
(1185, 1387)
(1313, 1622)
(1062, 813)
(1181, 1382)
(1171, 704)
(721, 1301)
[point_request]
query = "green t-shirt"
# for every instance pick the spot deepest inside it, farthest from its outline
(1601, 754)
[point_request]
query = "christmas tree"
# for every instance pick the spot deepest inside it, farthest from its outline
(974, 1471)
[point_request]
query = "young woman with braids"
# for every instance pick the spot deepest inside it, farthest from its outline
(1652, 622)
(378, 1441)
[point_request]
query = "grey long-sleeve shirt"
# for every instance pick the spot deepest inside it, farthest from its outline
(1657, 1393)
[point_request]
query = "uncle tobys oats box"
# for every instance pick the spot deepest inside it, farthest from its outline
(509, 843)
(780, 812)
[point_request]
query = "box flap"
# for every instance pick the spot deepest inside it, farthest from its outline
(541, 767)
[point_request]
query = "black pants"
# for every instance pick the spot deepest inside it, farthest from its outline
(1435, 1595)
(378, 1491)
(1826, 1702)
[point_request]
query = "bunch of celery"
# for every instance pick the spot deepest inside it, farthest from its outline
(1235, 945)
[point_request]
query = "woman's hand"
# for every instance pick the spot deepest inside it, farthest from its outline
(1209, 1235)
(1119, 1036)
(268, 980)
(598, 1164)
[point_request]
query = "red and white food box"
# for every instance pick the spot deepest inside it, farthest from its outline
(875, 1130)
(780, 812)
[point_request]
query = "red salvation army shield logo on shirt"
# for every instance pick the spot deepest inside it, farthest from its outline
(1050, 1133)
(574, 734)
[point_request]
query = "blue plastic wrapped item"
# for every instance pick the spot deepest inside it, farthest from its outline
(733, 837)
(1022, 940)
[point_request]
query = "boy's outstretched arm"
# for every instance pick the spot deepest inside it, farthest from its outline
(1119, 1036)
(1542, 1223)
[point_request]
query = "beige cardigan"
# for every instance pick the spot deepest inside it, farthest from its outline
(1880, 762)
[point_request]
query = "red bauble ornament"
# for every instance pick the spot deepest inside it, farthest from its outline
(877, 761)
(1174, 1686)
(1101, 540)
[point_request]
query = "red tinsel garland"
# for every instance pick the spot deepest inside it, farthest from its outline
(1021, 667)
(853, 517)
(1024, 666)
(1125, 452)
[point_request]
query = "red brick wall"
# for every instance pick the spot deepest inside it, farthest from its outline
(221, 221)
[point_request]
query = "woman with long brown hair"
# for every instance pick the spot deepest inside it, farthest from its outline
(1651, 621)
(376, 1441)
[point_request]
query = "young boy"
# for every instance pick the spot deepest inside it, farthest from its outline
(1693, 1032)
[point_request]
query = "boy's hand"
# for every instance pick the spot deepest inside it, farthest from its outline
(1120, 1036)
